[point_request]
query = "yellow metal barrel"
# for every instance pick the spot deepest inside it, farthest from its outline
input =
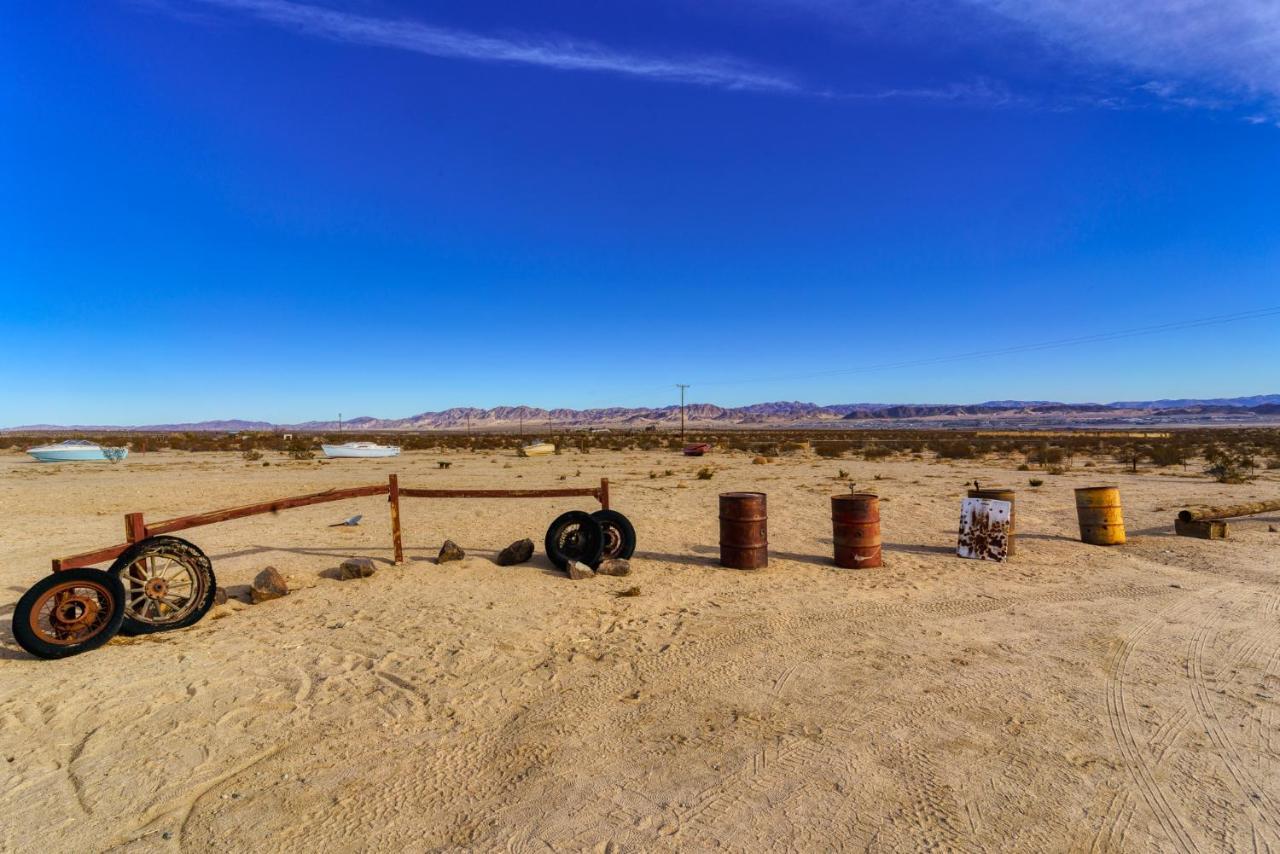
(1101, 519)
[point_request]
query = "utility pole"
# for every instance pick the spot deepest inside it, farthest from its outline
(682, 387)
(339, 422)
(468, 422)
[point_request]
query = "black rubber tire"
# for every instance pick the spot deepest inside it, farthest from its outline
(108, 590)
(619, 535)
(179, 551)
(574, 536)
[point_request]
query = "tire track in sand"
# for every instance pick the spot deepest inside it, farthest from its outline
(1121, 729)
(1260, 804)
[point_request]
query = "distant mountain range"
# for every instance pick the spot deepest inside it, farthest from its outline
(1263, 408)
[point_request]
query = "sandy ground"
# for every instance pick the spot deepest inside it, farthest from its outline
(1079, 698)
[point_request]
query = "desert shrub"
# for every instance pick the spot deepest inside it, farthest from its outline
(252, 455)
(1035, 481)
(300, 449)
(1055, 470)
(1273, 463)
(842, 475)
(1046, 456)
(1024, 467)
(706, 473)
(833, 448)
(759, 461)
(1230, 467)
(1165, 454)
(957, 449)
(876, 452)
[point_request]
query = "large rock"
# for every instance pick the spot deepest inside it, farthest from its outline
(268, 584)
(356, 567)
(450, 551)
(579, 571)
(615, 566)
(518, 552)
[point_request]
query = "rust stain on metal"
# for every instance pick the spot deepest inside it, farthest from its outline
(744, 530)
(855, 526)
(984, 529)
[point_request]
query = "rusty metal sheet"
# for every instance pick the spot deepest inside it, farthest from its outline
(984, 529)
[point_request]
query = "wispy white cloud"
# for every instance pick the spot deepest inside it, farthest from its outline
(558, 53)
(1200, 54)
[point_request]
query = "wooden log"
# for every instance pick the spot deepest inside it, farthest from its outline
(393, 496)
(1205, 529)
(1229, 511)
(184, 522)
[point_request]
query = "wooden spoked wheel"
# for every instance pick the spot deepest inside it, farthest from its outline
(168, 584)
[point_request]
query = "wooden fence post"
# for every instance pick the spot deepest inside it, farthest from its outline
(393, 496)
(604, 493)
(135, 528)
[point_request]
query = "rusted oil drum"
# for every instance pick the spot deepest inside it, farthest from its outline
(744, 530)
(1101, 520)
(998, 494)
(855, 527)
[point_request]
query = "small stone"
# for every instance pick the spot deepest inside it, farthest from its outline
(356, 567)
(1271, 529)
(518, 552)
(630, 591)
(450, 551)
(268, 584)
(579, 571)
(219, 595)
(615, 566)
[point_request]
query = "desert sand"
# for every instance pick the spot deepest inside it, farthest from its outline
(1078, 698)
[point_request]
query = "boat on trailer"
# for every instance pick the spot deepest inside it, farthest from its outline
(75, 451)
(361, 449)
(537, 449)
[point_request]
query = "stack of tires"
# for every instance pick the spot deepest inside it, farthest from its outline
(589, 538)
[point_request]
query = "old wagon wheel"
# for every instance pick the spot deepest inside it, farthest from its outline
(574, 536)
(168, 584)
(619, 535)
(69, 612)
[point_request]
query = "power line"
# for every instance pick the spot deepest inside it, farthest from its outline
(1213, 320)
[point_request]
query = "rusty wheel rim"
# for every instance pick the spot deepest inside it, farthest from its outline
(612, 540)
(160, 589)
(72, 613)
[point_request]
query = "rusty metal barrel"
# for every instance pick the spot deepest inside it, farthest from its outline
(1101, 519)
(855, 527)
(997, 493)
(744, 530)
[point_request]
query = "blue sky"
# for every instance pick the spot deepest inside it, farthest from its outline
(280, 210)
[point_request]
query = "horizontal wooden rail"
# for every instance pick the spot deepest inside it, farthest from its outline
(406, 492)
(136, 528)
(214, 516)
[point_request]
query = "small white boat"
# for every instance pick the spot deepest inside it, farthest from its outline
(537, 449)
(360, 449)
(76, 450)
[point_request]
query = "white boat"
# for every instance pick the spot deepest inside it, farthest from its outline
(76, 450)
(537, 449)
(360, 449)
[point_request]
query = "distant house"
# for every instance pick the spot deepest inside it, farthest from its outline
(288, 437)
